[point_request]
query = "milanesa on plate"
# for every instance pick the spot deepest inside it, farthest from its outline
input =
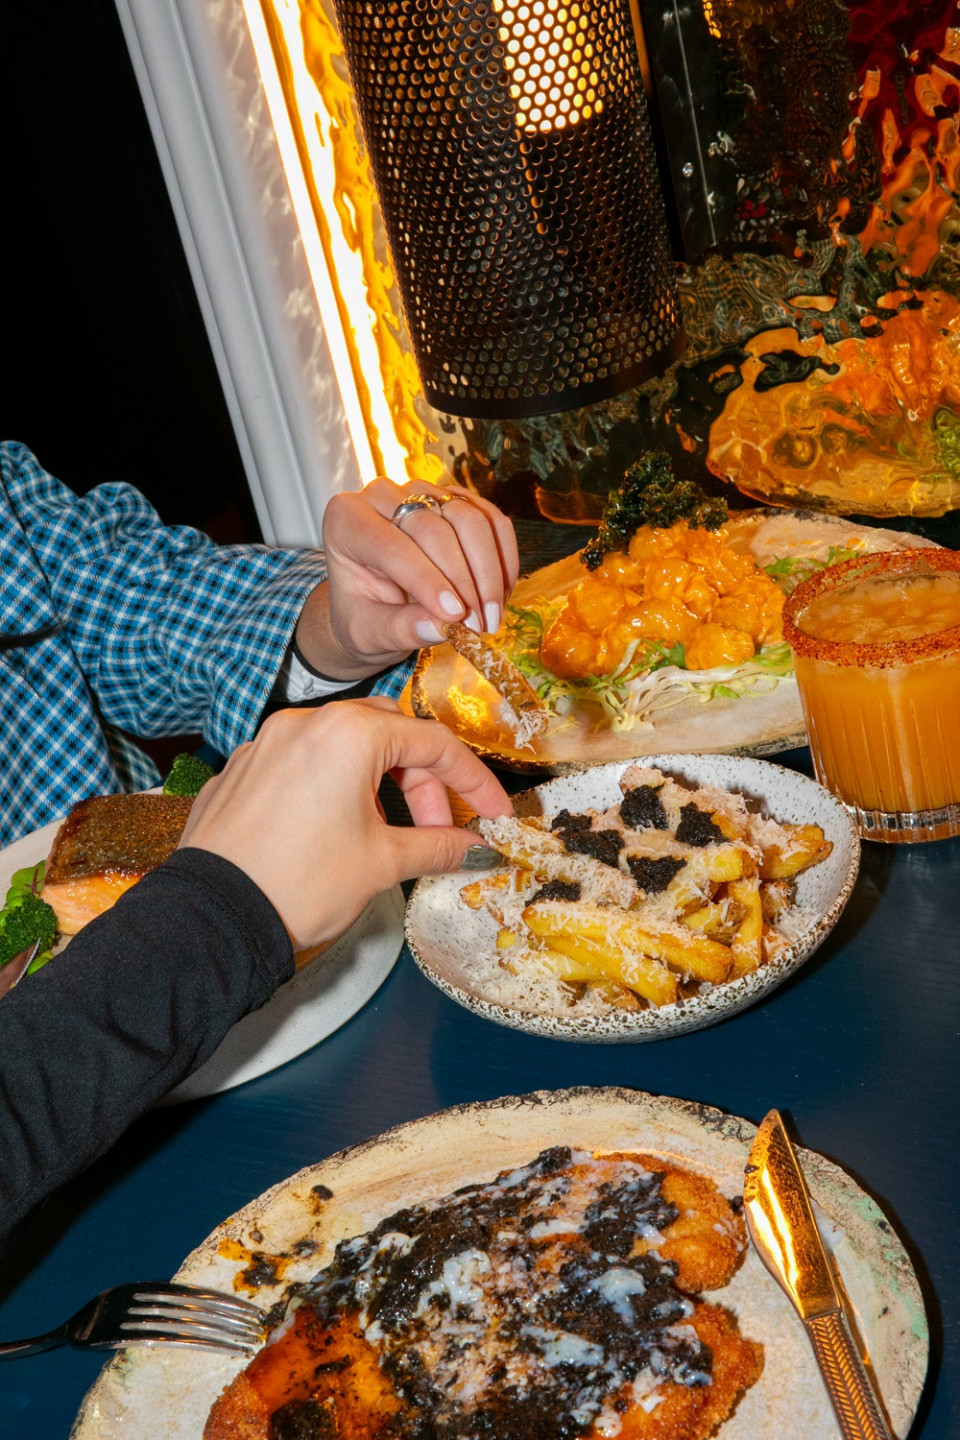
(558, 1300)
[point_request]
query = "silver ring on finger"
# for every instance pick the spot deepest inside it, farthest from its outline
(413, 503)
(449, 499)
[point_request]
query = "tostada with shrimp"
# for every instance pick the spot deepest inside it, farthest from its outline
(663, 633)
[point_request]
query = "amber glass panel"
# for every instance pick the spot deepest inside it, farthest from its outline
(811, 161)
(820, 142)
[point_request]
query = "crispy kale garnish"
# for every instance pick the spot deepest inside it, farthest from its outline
(188, 775)
(25, 918)
(651, 495)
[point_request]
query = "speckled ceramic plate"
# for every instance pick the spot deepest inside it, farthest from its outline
(455, 946)
(446, 687)
(323, 994)
(165, 1393)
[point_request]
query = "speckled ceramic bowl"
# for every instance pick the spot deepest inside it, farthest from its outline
(445, 936)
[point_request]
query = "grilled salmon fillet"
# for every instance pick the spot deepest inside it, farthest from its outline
(105, 845)
(550, 1302)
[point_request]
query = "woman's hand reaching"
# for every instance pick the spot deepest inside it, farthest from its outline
(296, 809)
(391, 587)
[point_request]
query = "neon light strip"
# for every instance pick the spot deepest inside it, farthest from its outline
(348, 280)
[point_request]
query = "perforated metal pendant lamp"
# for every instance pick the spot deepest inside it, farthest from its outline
(511, 151)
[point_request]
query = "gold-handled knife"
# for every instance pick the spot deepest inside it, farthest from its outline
(784, 1233)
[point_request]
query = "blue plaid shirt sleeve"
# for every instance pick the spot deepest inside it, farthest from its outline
(173, 633)
(161, 632)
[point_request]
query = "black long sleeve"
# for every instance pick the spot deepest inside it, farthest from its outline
(140, 998)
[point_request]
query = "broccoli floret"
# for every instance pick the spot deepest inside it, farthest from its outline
(23, 920)
(188, 775)
(651, 495)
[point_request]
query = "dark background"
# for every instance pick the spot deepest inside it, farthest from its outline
(107, 373)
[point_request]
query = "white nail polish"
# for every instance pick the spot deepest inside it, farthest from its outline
(428, 632)
(472, 622)
(450, 602)
(492, 614)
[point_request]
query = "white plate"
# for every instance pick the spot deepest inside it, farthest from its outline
(165, 1393)
(317, 1001)
(446, 937)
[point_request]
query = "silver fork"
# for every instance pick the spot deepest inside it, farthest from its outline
(16, 967)
(153, 1311)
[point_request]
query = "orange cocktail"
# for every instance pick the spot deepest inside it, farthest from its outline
(876, 647)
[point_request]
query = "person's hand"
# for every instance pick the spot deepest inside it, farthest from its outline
(296, 809)
(391, 587)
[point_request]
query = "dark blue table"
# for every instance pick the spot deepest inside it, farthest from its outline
(859, 1047)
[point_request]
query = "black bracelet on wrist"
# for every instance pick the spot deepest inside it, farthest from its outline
(330, 679)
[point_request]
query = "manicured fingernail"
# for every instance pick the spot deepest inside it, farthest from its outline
(428, 632)
(492, 614)
(450, 602)
(481, 857)
(472, 622)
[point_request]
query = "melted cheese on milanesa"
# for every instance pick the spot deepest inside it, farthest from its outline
(557, 1295)
(338, 1368)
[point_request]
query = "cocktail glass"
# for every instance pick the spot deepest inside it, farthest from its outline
(883, 709)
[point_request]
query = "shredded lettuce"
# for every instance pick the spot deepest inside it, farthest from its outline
(789, 570)
(646, 681)
(651, 694)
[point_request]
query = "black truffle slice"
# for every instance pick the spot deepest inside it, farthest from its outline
(642, 809)
(697, 828)
(557, 890)
(653, 876)
(565, 821)
(603, 845)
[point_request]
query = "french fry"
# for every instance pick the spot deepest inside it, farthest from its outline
(638, 972)
(525, 845)
(746, 946)
(704, 870)
(530, 718)
(806, 845)
(773, 942)
(478, 892)
(776, 897)
(704, 920)
(720, 919)
(621, 936)
(572, 968)
(472, 896)
(725, 862)
(619, 996)
(725, 824)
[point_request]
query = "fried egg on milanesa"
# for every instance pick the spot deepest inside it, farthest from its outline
(558, 1300)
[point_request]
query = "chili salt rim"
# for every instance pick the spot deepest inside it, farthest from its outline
(876, 655)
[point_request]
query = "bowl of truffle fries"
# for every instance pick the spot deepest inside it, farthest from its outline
(640, 900)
